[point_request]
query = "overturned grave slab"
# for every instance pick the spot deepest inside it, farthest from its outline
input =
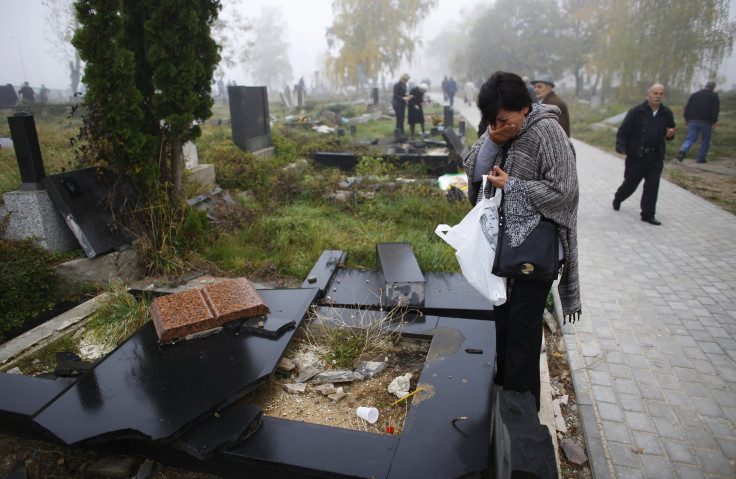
(144, 390)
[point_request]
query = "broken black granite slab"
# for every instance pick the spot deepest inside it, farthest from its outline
(405, 284)
(282, 448)
(454, 384)
(324, 270)
(81, 197)
(450, 294)
(23, 396)
(221, 431)
(144, 390)
(447, 294)
(522, 447)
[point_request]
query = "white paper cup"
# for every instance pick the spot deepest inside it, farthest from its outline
(370, 414)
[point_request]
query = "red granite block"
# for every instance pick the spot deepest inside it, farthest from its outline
(234, 299)
(181, 314)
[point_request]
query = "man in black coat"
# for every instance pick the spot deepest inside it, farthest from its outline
(701, 116)
(641, 137)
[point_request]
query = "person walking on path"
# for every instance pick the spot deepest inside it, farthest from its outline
(451, 89)
(642, 138)
(701, 116)
(543, 86)
(525, 153)
(399, 101)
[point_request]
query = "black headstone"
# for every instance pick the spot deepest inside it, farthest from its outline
(81, 196)
(449, 117)
(454, 142)
(375, 96)
(353, 130)
(27, 151)
(340, 132)
(249, 117)
(461, 127)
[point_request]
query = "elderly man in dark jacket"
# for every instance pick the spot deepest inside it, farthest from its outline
(701, 116)
(543, 89)
(641, 137)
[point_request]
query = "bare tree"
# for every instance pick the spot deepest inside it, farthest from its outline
(62, 21)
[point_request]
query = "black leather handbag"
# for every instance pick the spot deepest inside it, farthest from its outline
(536, 259)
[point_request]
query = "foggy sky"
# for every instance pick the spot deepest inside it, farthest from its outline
(26, 55)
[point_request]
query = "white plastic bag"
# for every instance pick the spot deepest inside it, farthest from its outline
(474, 240)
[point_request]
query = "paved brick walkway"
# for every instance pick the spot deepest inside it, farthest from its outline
(654, 357)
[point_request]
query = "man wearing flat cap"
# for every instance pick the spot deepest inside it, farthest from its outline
(543, 85)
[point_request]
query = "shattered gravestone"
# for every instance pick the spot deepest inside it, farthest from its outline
(82, 198)
(454, 142)
(250, 119)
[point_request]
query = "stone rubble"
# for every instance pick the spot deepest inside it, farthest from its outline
(574, 452)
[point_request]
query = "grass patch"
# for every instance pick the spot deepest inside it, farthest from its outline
(118, 316)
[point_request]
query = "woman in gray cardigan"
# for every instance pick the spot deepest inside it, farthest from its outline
(526, 153)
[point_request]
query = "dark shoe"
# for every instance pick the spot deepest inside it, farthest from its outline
(680, 155)
(651, 220)
(616, 205)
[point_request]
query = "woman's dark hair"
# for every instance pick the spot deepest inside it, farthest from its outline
(502, 91)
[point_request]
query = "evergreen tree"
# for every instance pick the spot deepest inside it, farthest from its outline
(149, 67)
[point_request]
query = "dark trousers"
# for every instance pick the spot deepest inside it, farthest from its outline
(519, 336)
(649, 169)
(399, 110)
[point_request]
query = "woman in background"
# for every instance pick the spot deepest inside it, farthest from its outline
(416, 109)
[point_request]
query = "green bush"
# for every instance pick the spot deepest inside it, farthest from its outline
(27, 280)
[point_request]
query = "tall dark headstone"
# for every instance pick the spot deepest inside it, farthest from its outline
(8, 97)
(461, 127)
(27, 151)
(353, 130)
(375, 95)
(249, 117)
(449, 117)
(299, 95)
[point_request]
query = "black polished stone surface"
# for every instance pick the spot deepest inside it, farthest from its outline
(450, 294)
(454, 384)
(298, 449)
(81, 197)
(447, 294)
(249, 117)
(149, 391)
(25, 395)
(324, 270)
(221, 431)
(359, 287)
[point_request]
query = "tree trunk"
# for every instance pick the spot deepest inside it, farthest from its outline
(177, 167)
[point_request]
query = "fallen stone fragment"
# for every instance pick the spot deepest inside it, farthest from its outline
(325, 389)
(550, 321)
(337, 396)
(234, 299)
(295, 388)
(369, 369)
(335, 376)
(559, 418)
(308, 374)
(574, 453)
(286, 364)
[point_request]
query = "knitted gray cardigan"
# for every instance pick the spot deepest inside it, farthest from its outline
(542, 181)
